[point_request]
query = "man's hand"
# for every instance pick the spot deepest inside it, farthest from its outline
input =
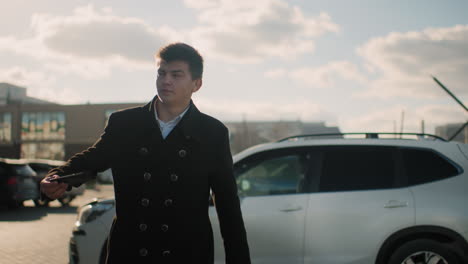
(53, 190)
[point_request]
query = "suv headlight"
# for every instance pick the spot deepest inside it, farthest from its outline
(92, 211)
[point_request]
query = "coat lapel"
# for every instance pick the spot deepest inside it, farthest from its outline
(188, 127)
(150, 122)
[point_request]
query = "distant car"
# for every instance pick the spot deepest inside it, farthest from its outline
(17, 183)
(42, 167)
(344, 200)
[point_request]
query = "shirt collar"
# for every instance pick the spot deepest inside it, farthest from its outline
(189, 125)
(175, 120)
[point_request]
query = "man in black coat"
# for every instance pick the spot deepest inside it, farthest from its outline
(165, 157)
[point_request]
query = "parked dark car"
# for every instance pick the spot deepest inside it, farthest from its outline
(17, 183)
(42, 167)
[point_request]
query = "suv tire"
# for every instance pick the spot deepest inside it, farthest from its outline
(424, 251)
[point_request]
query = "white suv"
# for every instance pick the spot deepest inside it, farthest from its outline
(310, 199)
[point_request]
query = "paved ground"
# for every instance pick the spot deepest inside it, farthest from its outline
(32, 235)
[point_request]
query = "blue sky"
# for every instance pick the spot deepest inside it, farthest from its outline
(353, 64)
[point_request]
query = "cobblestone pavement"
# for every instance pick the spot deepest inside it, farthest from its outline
(32, 235)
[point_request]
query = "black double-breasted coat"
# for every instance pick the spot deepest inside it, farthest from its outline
(162, 188)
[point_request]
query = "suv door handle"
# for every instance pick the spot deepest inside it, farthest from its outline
(395, 204)
(291, 209)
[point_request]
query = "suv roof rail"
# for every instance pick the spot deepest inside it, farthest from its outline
(419, 136)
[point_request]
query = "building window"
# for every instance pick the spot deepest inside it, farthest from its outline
(43, 126)
(5, 127)
(54, 151)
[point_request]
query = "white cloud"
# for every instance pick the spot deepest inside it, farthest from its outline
(39, 85)
(98, 35)
(251, 31)
(201, 4)
(62, 95)
(230, 110)
(441, 115)
(390, 119)
(404, 62)
(276, 73)
(22, 77)
(325, 76)
(90, 42)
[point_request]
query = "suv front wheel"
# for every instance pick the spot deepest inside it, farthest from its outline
(424, 251)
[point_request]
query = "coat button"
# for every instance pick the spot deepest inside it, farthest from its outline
(164, 228)
(182, 153)
(166, 253)
(145, 202)
(168, 202)
(147, 176)
(143, 227)
(143, 151)
(174, 177)
(143, 252)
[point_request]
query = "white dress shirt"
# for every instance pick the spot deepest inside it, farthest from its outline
(166, 127)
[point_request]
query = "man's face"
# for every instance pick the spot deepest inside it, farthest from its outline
(175, 84)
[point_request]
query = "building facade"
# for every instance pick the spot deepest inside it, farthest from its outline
(33, 128)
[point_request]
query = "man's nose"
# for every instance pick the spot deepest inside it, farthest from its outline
(166, 79)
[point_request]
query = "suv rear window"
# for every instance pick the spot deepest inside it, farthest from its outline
(353, 168)
(423, 166)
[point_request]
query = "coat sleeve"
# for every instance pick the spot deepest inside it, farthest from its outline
(228, 207)
(95, 158)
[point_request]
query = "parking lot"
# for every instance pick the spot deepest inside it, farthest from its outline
(40, 235)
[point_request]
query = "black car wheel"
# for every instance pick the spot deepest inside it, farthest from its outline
(424, 251)
(41, 203)
(66, 200)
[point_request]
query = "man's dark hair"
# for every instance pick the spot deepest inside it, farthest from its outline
(183, 52)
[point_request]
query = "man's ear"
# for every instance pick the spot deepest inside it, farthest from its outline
(197, 85)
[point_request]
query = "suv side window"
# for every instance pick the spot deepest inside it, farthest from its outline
(352, 168)
(423, 166)
(270, 174)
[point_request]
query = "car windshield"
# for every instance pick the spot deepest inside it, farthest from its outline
(23, 170)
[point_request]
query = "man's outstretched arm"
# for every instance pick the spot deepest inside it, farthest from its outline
(95, 158)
